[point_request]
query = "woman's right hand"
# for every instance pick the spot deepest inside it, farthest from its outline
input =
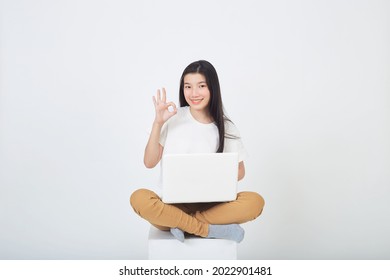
(164, 110)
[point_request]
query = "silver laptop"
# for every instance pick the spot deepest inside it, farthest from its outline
(190, 178)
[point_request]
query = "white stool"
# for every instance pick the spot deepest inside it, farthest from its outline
(164, 246)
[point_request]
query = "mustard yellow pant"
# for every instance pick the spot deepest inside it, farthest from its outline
(195, 218)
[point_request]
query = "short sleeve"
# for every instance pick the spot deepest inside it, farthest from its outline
(233, 141)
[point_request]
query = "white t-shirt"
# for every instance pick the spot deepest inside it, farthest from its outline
(183, 134)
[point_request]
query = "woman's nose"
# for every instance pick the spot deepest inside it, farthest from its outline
(194, 92)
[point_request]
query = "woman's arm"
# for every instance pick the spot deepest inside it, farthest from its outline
(241, 170)
(153, 150)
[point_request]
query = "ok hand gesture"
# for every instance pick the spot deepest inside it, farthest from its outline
(164, 110)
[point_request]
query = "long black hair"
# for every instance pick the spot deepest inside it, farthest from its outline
(215, 105)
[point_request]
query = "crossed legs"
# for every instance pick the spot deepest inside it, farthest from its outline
(196, 218)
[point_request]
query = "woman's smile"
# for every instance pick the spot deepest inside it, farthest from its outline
(196, 101)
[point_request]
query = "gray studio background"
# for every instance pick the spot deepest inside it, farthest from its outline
(306, 82)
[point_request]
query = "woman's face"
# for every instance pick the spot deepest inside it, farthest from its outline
(196, 91)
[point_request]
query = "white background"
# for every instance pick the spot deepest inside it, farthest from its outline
(306, 82)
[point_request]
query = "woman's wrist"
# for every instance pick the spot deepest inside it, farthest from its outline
(158, 124)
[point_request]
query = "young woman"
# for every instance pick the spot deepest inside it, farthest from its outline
(199, 125)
